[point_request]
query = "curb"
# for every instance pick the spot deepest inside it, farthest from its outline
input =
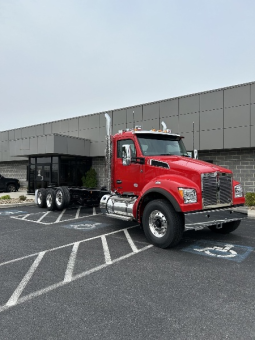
(251, 213)
(15, 205)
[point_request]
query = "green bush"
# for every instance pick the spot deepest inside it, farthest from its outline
(22, 198)
(250, 199)
(90, 179)
(6, 197)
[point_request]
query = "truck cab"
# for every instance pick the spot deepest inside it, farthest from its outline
(156, 182)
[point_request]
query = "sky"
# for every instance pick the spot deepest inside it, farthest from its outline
(61, 59)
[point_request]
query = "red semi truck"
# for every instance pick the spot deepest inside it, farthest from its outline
(152, 179)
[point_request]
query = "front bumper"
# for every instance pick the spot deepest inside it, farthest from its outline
(201, 219)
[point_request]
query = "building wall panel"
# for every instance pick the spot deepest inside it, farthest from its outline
(211, 139)
(189, 104)
(93, 121)
(186, 122)
(169, 108)
(237, 96)
(188, 141)
(211, 101)
(83, 123)
(237, 116)
(237, 137)
(151, 111)
(119, 117)
(47, 128)
(211, 119)
(73, 124)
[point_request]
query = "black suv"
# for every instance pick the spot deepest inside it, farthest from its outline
(9, 184)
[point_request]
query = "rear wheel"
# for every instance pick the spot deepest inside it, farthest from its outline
(41, 198)
(226, 227)
(62, 198)
(162, 225)
(11, 188)
(50, 199)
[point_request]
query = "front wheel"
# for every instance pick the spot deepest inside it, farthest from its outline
(226, 227)
(162, 225)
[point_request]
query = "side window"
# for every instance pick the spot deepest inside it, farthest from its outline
(122, 142)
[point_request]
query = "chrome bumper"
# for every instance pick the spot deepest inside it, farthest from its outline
(201, 219)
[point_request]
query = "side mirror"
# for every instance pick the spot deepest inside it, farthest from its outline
(126, 154)
(193, 154)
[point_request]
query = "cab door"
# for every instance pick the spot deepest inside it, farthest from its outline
(127, 178)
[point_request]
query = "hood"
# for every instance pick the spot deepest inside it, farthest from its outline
(186, 166)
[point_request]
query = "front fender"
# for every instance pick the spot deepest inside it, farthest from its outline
(167, 185)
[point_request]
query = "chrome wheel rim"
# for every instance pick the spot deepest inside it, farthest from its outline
(59, 197)
(39, 198)
(157, 223)
(12, 188)
(49, 200)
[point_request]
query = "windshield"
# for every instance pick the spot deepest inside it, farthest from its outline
(161, 145)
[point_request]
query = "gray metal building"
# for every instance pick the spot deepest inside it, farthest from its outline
(62, 151)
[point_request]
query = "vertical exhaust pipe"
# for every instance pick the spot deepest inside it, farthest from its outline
(164, 127)
(108, 153)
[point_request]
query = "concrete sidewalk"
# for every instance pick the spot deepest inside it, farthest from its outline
(17, 194)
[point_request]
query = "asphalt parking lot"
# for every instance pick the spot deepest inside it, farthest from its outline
(77, 274)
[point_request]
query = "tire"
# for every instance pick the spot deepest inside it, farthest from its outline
(162, 225)
(50, 199)
(67, 196)
(226, 227)
(41, 198)
(62, 198)
(11, 187)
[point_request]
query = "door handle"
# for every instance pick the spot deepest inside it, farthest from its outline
(118, 181)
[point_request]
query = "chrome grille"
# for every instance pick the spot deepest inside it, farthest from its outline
(216, 189)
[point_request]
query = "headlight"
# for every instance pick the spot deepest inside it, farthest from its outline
(238, 191)
(188, 195)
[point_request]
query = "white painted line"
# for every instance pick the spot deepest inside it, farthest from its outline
(60, 216)
(94, 211)
(71, 263)
(76, 277)
(50, 223)
(25, 216)
(15, 296)
(45, 214)
(78, 212)
(130, 241)
(107, 254)
(64, 246)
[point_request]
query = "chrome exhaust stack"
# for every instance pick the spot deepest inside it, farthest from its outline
(108, 153)
(164, 127)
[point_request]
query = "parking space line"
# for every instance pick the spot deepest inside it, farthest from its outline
(71, 262)
(25, 216)
(60, 216)
(45, 214)
(78, 212)
(15, 296)
(65, 245)
(50, 223)
(107, 255)
(130, 241)
(74, 278)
